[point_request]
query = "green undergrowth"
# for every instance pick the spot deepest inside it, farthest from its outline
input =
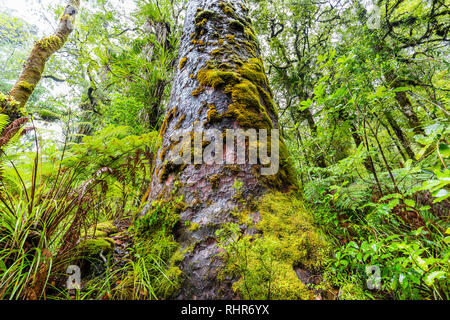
(283, 238)
(412, 261)
(154, 239)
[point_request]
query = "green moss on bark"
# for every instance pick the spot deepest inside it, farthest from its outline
(26, 86)
(170, 115)
(286, 238)
(204, 14)
(213, 115)
(52, 42)
(182, 63)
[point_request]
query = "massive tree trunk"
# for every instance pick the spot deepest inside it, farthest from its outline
(35, 64)
(220, 84)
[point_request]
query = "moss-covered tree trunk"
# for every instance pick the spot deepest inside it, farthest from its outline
(35, 64)
(221, 84)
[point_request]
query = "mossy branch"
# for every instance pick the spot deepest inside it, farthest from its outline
(35, 64)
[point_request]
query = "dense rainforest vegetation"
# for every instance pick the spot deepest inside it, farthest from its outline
(92, 205)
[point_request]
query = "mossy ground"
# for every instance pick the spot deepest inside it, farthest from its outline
(90, 255)
(155, 242)
(91, 248)
(102, 229)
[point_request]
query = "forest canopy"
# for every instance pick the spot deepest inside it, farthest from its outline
(352, 96)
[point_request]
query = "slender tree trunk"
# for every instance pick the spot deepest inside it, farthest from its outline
(220, 84)
(399, 133)
(300, 116)
(367, 162)
(162, 32)
(35, 64)
(394, 140)
(405, 105)
(320, 160)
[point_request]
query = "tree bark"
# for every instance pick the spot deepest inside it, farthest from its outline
(221, 84)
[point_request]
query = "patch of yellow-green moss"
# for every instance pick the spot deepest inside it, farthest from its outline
(216, 51)
(284, 217)
(192, 226)
(351, 291)
(102, 229)
(230, 37)
(198, 42)
(26, 86)
(169, 116)
(215, 78)
(253, 71)
(250, 47)
(287, 238)
(246, 107)
(8, 99)
(249, 34)
(182, 63)
(52, 42)
(11, 107)
(213, 115)
(93, 247)
(268, 100)
(197, 91)
(226, 8)
(203, 14)
(246, 85)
